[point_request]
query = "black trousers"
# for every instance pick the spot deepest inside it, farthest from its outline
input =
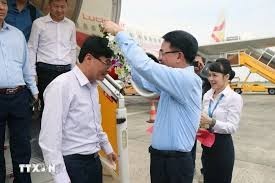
(16, 111)
(171, 166)
(84, 168)
(219, 160)
(46, 73)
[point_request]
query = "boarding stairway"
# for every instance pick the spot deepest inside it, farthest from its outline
(260, 61)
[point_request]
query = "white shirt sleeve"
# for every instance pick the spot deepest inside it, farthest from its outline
(50, 137)
(232, 118)
(33, 45)
(104, 142)
(73, 47)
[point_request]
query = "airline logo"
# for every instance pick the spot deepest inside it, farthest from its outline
(218, 31)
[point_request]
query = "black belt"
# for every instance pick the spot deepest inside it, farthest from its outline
(12, 91)
(59, 68)
(82, 156)
(167, 153)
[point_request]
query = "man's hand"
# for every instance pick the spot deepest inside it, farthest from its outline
(112, 157)
(35, 97)
(111, 27)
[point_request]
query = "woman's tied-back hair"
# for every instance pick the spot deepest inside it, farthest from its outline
(184, 42)
(96, 46)
(223, 66)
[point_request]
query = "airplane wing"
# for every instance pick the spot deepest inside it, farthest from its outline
(222, 47)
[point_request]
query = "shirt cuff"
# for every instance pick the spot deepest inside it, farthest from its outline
(107, 148)
(34, 90)
(121, 37)
(61, 177)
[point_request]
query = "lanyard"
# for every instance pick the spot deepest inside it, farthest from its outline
(210, 113)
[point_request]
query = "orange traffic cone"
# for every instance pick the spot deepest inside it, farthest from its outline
(152, 113)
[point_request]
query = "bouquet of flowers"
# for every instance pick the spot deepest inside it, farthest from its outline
(119, 64)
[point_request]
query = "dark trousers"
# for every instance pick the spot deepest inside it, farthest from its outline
(83, 168)
(16, 111)
(46, 73)
(219, 160)
(171, 166)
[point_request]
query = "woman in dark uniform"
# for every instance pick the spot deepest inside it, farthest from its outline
(221, 114)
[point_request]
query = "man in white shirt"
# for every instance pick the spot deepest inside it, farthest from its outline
(71, 132)
(52, 45)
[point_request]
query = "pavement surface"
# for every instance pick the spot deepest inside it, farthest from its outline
(254, 143)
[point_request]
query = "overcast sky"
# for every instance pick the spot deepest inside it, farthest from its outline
(246, 18)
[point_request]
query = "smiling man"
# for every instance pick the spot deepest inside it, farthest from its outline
(52, 45)
(71, 132)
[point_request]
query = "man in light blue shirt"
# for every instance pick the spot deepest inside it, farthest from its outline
(21, 14)
(17, 88)
(179, 106)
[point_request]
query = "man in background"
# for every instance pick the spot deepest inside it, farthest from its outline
(21, 15)
(52, 45)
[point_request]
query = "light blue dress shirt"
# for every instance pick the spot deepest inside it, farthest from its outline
(14, 62)
(180, 90)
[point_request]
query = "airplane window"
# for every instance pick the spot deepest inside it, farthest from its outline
(85, 26)
(93, 28)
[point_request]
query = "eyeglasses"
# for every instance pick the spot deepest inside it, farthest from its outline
(161, 53)
(107, 62)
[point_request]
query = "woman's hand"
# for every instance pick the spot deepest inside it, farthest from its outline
(205, 121)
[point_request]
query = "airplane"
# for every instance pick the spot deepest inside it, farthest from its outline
(254, 54)
(87, 15)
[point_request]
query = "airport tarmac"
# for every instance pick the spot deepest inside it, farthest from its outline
(254, 142)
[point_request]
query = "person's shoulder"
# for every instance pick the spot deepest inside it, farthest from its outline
(40, 19)
(62, 81)
(15, 30)
(234, 96)
(69, 21)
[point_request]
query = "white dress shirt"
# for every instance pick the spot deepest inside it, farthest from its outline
(228, 110)
(52, 42)
(71, 121)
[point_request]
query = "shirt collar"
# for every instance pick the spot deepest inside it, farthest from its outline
(225, 92)
(82, 79)
(5, 26)
(48, 18)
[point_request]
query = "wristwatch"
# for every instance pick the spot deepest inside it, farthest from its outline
(213, 122)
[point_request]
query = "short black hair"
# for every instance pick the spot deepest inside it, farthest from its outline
(152, 57)
(223, 66)
(96, 46)
(203, 59)
(183, 41)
